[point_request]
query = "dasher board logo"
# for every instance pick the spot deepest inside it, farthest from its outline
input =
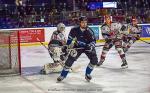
(96, 31)
(146, 31)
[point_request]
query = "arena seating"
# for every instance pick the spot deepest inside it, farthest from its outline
(40, 13)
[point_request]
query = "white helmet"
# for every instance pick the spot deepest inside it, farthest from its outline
(60, 27)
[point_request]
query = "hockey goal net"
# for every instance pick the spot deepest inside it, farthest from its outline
(9, 53)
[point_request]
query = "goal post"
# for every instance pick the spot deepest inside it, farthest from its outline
(10, 59)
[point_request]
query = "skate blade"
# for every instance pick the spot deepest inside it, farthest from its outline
(98, 65)
(87, 79)
(61, 81)
(58, 81)
(43, 72)
(124, 67)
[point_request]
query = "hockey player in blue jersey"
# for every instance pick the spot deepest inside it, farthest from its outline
(85, 40)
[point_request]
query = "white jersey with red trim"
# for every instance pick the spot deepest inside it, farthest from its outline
(57, 39)
(112, 32)
(134, 30)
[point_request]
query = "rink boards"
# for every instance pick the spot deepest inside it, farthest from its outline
(32, 36)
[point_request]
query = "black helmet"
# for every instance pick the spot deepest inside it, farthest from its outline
(128, 20)
(83, 18)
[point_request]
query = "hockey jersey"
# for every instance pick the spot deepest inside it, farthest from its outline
(132, 31)
(85, 37)
(57, 39)
(112, 32)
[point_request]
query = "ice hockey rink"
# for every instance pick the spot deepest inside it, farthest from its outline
(109, 78)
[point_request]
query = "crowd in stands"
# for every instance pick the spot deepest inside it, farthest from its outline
(41, 13)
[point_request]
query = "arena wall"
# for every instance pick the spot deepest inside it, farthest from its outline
(33, 36)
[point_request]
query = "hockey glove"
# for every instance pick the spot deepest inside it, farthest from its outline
(64, 48)
(90, 47)
(108, 40)
(123, 28)
(137, 37)
(81, 44)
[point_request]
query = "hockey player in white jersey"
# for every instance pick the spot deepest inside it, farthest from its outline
(112, 33)
(56, 51)
(132, 35)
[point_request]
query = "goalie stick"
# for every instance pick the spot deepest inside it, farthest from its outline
(42, 43)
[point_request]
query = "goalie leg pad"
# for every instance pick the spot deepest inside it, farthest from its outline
(52, 68)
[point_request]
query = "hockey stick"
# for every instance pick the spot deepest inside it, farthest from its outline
(41, 43)
(99, 45)
(84, 48)
(144, 41)
(65, 45)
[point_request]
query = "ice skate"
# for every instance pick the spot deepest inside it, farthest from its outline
(124, 65)
(42, 71)
(88, 77)
(60, 78)
(99, 64)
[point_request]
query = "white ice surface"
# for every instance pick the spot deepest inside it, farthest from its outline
(109, 78)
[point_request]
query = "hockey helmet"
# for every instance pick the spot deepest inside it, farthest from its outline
(60, 27)
(128, 20)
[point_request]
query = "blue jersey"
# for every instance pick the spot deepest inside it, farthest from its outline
(85, 37)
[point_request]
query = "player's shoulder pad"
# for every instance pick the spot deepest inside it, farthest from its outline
(116, 23)
(55, 32)
(90, 30)
(75, 28)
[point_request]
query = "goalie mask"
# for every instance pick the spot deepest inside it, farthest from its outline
(60, 27)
